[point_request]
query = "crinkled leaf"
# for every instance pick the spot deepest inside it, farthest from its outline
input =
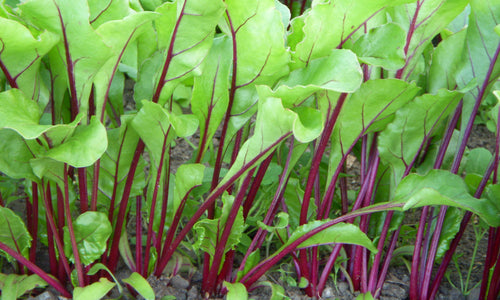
(13, 233)
(308, 125)
(440, 187)
(282, 222)
(92, 230)
(95, 291)
(141, 285)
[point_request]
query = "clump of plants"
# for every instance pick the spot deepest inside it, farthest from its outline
(273, 98)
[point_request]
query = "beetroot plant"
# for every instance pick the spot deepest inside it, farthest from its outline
(273, 99)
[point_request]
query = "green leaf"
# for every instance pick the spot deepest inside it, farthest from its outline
(277, 291)
(366, 296)
(401, 141)
(140, 284)
(95, 291)
(15, 155)
(382, 47)
(329, 23)
(70, 21)
(339, 71)
(102, 12)
(261, 54)
(209, 231)
(13, 233)
(446, 62)
(210, 96)
(119, 35)
(13, 286)
(194, 22)
(479, 61)
(273, 124)
(339, 233)
(84, 148)
(369, 109)
(236, 291)
(429, 18)
(152, 123)
(440, 187)
(451, 226)
(116, 162)
(186, 177)
(21, 53)
(478, 161)
(282, 222)
(21, 114)
(98, 267)
(92, 230)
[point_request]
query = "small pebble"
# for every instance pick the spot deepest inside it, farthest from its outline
(179, 282)
(327, 292)
(44, 296)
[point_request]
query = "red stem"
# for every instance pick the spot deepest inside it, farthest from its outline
(35, 269)
(113, 254)
(153, 204)
(169, 248)
(208, 284)
(55, 233)
(164, 205)
(69, 223)
(138, 234)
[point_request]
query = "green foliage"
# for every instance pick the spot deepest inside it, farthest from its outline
(13, 286)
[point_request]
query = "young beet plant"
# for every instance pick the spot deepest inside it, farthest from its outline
(280, 104)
